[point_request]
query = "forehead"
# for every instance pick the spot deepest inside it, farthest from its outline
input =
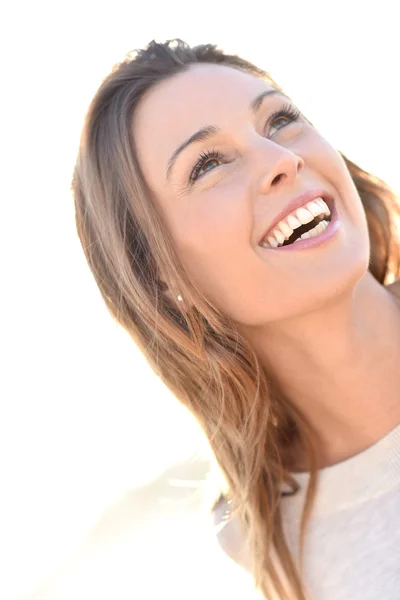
(203, 88)
(202, 95)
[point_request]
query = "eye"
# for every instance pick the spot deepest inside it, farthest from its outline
(207, 161)
(285, 115)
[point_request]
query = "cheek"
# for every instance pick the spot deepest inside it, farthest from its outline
(232, 278)
(321, 158)
(325, 162)
(212, 233)
(212, 223)
(215, 250)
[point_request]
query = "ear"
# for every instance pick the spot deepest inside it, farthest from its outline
(168, 294)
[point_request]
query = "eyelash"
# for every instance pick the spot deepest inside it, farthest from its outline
(287, 110)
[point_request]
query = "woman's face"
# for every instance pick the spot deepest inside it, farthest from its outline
(221, 190)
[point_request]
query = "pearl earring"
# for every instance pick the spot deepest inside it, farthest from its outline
(180, 298)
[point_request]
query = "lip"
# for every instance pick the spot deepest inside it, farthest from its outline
(295, 203)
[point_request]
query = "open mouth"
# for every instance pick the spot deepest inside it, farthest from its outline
(305, 222)
(315, 227)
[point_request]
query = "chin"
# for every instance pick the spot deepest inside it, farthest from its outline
(329, 286)
(341, 281)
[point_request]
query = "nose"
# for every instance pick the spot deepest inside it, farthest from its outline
(279, 166)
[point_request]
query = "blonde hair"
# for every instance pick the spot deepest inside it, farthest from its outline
(195, 349)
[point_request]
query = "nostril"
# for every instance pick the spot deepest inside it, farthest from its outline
(277, 178)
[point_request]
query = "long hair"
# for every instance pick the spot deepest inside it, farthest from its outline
(195, 349)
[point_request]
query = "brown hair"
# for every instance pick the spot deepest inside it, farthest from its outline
(194, 349)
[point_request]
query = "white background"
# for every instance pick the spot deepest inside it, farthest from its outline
(83, 420)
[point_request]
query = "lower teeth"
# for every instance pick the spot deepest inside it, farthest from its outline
(322, 225)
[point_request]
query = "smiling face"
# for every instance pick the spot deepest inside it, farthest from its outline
(236, 179)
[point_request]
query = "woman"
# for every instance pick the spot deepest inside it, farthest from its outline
(250, 261)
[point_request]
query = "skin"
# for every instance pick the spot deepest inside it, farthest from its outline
(311, 315)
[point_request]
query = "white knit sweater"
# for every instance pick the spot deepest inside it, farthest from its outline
(352, 548)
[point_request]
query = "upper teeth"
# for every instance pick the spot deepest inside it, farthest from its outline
(305, 214)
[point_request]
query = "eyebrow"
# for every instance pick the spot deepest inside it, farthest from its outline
(205, 133)
(200, 136)
(255, 105)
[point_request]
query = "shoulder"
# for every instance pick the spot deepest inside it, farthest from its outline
(394, 288)
(230, 534)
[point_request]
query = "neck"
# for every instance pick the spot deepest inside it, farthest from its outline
(339, 366)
